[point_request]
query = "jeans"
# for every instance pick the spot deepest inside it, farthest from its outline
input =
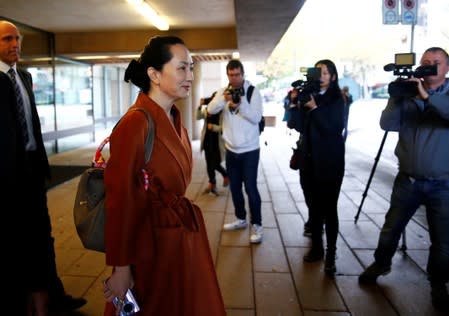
(242, 169)
(408, 194)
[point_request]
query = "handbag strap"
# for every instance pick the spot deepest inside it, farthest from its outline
(98, 159)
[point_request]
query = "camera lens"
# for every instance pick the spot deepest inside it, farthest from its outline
(127, 309)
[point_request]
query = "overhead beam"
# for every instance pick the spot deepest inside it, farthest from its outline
(133, 41)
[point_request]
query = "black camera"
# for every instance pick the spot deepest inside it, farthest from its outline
(207, 100)
(402, 67)
(309, 87)
(236, 93)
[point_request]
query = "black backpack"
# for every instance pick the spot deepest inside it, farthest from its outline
(249, 93)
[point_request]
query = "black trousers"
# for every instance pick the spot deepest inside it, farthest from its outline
(42, 274)
(321, 198)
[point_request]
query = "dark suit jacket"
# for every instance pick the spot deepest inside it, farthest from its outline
(23, 199)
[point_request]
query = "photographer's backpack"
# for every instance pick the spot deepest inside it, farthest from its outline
(249, 93)
(89, 209)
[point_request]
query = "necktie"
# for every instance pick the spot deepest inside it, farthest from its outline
(20, 106)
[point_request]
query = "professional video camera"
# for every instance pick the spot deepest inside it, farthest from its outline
(402, 67)
(236, 93)
(309, 87)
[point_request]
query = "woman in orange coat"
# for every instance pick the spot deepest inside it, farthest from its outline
(155, 237)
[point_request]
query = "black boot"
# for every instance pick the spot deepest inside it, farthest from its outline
(329, 263)
(314, 254)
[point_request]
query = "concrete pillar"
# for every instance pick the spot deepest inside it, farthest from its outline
(185, 107)
(197, 94)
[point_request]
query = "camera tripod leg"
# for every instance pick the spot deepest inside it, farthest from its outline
(376, 160)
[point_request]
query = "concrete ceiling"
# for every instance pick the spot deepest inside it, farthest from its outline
(258, 25)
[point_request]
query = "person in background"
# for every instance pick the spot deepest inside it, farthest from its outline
(241, 135)
(290, 101)
(36, 286)
(212, 144)
(320, 124)
(347, 97)
(423, 178)
(155, 237)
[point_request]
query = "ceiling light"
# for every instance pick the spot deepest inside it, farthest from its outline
(147, 11)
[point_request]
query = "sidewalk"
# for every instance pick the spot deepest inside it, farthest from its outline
(271, 279)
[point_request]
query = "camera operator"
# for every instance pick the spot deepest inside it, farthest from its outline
(423, 178)
(320, 124)
(241, 136)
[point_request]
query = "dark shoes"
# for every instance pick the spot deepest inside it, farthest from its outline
(370, 275)
(440, 297)
(66, 303)
(211, 188)
(307, 231)
(314, 254)
(329, 264)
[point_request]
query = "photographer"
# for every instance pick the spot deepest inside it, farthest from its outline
(241, 116)
(423, 178)
(320, 123)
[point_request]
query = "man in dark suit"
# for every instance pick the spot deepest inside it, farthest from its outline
(31, 268)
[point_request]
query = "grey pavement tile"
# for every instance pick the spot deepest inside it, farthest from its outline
(366, 301)
(291, 227)
(239, 312)
(316, 291)
(269, 256)
(283, 202)
(235, 276)
(276, 295)
(364, 234)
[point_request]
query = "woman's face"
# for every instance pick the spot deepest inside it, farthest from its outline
(175, 79)
(326, 77)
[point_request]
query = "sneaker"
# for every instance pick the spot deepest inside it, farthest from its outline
(225, 181)
(256, 234)
(370, 275)
(440, 297)
(211, 188)
(238, 224)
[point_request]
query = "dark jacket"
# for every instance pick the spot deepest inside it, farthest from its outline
(23, 196)
(321, 132)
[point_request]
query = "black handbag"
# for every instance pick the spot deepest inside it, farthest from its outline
(300, 159)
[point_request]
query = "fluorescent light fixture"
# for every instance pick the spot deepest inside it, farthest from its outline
(235, 55)
(147, 11)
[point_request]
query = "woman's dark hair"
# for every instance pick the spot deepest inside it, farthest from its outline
(334, 89)
(155, 54)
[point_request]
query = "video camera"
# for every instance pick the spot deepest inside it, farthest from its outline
(309, 87)
(402, 67)
(236, 93)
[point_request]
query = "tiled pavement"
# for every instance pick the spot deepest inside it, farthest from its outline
(271, 279)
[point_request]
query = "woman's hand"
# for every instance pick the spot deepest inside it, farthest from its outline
(118, 283)
(311, 104)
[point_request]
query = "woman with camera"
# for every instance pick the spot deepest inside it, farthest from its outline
(319, 119)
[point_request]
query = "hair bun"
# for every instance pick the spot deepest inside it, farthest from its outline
(133, 68)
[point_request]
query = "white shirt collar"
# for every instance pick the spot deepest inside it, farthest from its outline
(5, 67)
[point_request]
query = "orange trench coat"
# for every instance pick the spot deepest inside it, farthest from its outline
(159, 232)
